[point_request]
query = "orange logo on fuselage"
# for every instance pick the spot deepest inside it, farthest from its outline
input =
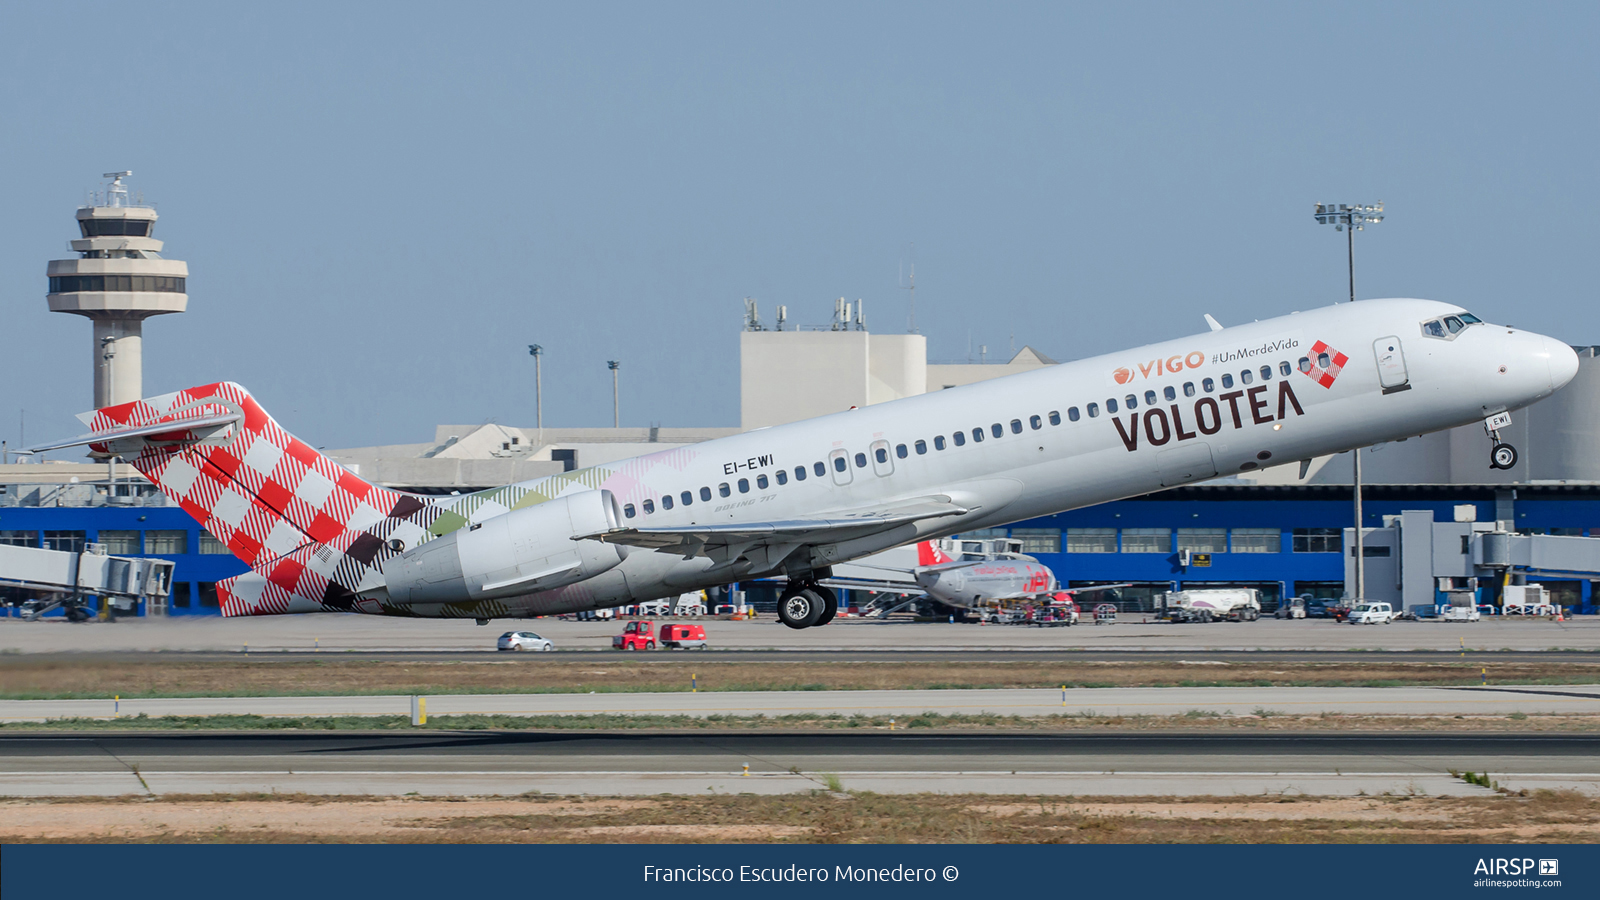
(1172, 365)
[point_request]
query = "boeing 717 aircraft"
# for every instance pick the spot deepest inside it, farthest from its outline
(793, 500)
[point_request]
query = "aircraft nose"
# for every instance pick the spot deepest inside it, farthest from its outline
(1563, 361)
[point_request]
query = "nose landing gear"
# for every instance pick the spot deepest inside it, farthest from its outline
(1501, 455)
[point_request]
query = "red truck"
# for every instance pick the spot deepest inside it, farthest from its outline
(636, 636)
(683, 637)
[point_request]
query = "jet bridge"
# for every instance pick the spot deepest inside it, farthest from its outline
(1415, 561)
(62, 578)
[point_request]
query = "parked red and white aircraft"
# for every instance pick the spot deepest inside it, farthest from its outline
(794, 500)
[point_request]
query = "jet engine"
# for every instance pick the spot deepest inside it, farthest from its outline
(523, 551)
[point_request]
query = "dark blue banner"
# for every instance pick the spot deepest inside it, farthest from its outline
(304, 872)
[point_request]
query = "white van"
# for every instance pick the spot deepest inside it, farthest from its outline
(1371, 614)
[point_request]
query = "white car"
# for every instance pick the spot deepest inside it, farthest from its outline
(1371, 614)
(524, 640)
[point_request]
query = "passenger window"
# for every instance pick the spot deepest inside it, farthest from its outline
(977, 435)
(1072, 413)
(1111, 406)
(1245, 377)
(687, 497)
(783, 477)
(1150, 397)
(1284, 368)
(1133, 401)
(819, 468)
(1094, 410)
(998, 430)
(861, 460)
(882, 455)
(761, 482)
(922, 448)
(1324, 360)
(1227, 381)
(723, 490)
(900, 451)
(627, 511)
(1454, 324)
(649, 506)
(1207, 385)
(960, 438)
(1305, 364)
(744, 485)
(839, 464)
(938, 442)
(1188, 389)
(1266, 373)
(1016, 425)
(1169, 392)
(705, 493)
(1035, 422)
(666, 502)
(799, 473)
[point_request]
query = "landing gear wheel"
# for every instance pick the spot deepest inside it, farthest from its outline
(830, 604)
(1503, 456)
(800, 607)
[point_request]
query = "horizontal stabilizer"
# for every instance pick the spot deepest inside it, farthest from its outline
(177, 430)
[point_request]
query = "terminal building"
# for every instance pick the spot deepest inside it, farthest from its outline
(1281, 530)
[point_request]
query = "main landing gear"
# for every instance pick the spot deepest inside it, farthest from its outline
(805, 604)
(1501, 455)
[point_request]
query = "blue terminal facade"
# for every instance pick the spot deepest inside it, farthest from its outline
(1284, 541)
(165, 532)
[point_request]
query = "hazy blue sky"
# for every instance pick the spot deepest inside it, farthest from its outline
(382, 204)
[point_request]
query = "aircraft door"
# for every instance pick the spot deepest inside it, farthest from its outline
(839, 466)
(1391, 358)
(882, 460)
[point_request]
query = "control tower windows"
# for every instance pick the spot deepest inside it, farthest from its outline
(67, 284)
(115, 227)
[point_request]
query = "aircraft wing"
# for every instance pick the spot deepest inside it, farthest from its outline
(775, 540)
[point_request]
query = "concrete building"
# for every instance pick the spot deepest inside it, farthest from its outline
(118, 280)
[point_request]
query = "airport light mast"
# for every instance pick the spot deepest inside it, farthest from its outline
(537, 352)
(1351, 219)
(616, 398)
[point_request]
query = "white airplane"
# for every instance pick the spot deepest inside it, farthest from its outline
(794, 500)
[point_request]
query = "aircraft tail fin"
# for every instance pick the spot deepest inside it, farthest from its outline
(930, 554)
(258, 489)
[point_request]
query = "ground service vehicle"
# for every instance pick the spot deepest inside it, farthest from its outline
(1222, 604)
(638, 635)
(683, 637)
(1292, 608)
(524, 640)
(1371, 614)
(794, 500)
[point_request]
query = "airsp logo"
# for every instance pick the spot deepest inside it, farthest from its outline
(1549, 867)
(1501, 866)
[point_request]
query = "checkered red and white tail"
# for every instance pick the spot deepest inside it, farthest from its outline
(260, 490)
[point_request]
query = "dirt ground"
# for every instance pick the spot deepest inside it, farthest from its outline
(22, 678)
(821, 817)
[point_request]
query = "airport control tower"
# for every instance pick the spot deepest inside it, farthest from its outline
(118, 280)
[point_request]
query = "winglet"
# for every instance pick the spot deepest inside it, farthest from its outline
(1215, 325)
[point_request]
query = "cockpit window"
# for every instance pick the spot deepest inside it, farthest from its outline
(1447, 327)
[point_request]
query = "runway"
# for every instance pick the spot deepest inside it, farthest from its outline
(500, 763)
(1116, 701)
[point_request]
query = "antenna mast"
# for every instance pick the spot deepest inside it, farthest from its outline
(911, 286)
